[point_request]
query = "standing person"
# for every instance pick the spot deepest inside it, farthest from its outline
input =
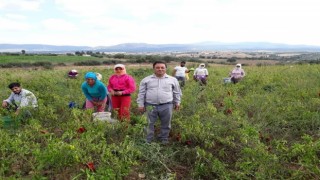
(20, 98)
(201, 74)
(95, 92)
(180, 73)
(158, 94)
(73, 73)
(120, 86)
(237, 74)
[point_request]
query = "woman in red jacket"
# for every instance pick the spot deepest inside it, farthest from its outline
(120, 86)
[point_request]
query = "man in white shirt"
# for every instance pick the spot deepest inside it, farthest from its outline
(180, 73)
(20, 98)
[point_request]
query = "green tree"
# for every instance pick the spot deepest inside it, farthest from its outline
(119, 56)
(233, 59)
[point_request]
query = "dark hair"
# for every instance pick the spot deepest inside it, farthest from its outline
(159, 62)
(183, 62)
(12, 85)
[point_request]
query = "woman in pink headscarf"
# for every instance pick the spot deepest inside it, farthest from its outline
(120, 86)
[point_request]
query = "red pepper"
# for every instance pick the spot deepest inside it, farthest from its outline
(228, 111)
(188, 142)
(81, 130)
(90, 166)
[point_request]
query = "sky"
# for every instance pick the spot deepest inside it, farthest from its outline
(111, 22)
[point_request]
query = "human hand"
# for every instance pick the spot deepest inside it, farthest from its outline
(99, 103)
(141, 109)
(16, 113)
(96, 103)
(177, 107)
(4, 104)
(118, 93)
(112, 92)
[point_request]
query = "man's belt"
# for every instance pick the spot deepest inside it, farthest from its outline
(159, 104)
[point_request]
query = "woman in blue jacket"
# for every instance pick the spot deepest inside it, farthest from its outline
(95, 92)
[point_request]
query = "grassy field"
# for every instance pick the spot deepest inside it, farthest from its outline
(265, 127)
(44, 58)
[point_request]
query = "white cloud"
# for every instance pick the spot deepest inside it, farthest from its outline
(13, 5)
(84, 8)
(107, 22)
(9, 24)
(58, 25)
(15, 16)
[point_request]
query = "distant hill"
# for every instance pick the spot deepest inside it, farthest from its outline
(144, 47)
(40, 48)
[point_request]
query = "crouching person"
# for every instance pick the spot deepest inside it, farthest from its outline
(73, 73)
(95, 92)
(20, 100)
(237, 74)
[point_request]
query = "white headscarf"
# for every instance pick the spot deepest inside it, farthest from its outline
(99, 76)
(202, 65)
(124, 71)
(239, 66)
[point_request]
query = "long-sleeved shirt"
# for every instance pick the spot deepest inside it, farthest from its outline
(237, 73)
(124, 82)
(97, 91)
(201, 72)
(24, 99)
(155, 90)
